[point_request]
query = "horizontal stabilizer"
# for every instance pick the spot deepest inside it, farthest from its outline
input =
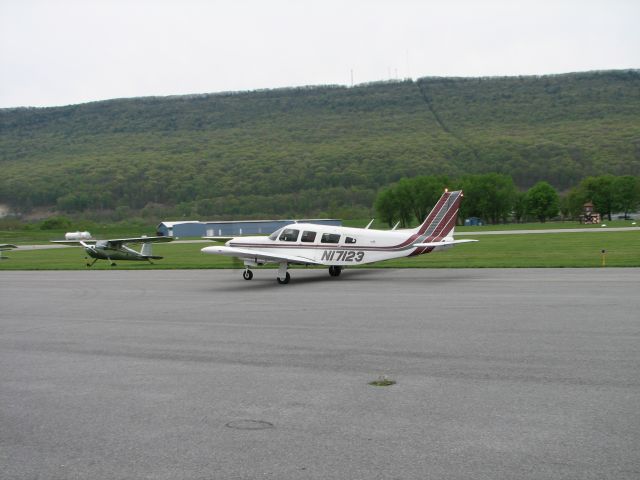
(218, 239)
(442, 243)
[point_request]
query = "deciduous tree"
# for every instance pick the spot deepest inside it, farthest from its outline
(542, 201)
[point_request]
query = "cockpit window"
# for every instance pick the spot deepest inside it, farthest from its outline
(274, 235)
(330, 238)
(289, 235)
(308, 236)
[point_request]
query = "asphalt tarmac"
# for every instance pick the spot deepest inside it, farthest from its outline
(501, 374)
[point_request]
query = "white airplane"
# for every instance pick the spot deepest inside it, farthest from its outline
(117, 249)
(338, 247)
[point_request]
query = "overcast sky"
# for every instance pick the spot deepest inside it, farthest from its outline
(59, 52)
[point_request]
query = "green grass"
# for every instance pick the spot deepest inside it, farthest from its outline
(536, 250)
(492, 251)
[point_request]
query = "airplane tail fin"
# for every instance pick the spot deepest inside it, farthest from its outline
(442, 219)
(145, 251)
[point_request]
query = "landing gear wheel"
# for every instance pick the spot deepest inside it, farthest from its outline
(247, 274)
(335, 271)
(286, 279)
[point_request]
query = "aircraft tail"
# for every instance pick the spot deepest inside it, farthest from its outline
(146, 251)
(442, 219)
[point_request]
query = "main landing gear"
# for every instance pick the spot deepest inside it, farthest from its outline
(335, 270)
(247, 274)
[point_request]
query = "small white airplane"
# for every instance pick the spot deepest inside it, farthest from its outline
(338, 247)
(117, 249)
(4, 247)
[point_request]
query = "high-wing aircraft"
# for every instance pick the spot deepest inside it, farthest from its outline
(4, 247)
(338, 247)
(117, 249)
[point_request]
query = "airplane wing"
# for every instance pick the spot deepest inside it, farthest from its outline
(258, 256)
(443, 243)
(74, 242)
(143, 239)
(7, 246)
(112, 242)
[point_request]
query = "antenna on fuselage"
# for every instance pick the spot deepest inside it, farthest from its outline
(369, 224)
(395, 226)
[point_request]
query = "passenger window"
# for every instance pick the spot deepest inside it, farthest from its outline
(349, 240)
(308, 236)
(330, 238)
(289, 235)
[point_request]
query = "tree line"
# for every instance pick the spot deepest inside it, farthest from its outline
(495, 198)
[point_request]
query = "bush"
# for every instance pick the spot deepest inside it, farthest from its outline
(55, 223)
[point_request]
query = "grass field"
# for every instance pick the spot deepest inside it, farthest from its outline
(492, 251)
(37, 236)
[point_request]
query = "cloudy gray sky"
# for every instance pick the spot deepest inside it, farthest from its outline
(59, 52)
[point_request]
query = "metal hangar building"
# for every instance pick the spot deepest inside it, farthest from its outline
(195, 228)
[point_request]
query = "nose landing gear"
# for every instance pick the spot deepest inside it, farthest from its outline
(285, 280)
(283, 276)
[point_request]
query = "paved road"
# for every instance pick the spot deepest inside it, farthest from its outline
(501, 374)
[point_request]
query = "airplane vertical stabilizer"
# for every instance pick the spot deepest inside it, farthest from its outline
(146, 250)
(442, 219)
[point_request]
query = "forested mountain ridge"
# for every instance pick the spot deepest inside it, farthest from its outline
(315, 149)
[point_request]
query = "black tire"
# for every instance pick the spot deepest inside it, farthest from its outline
(247, 274)
(286, 279)
(335, 271)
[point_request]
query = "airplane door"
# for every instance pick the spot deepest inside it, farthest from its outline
(309, 240)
